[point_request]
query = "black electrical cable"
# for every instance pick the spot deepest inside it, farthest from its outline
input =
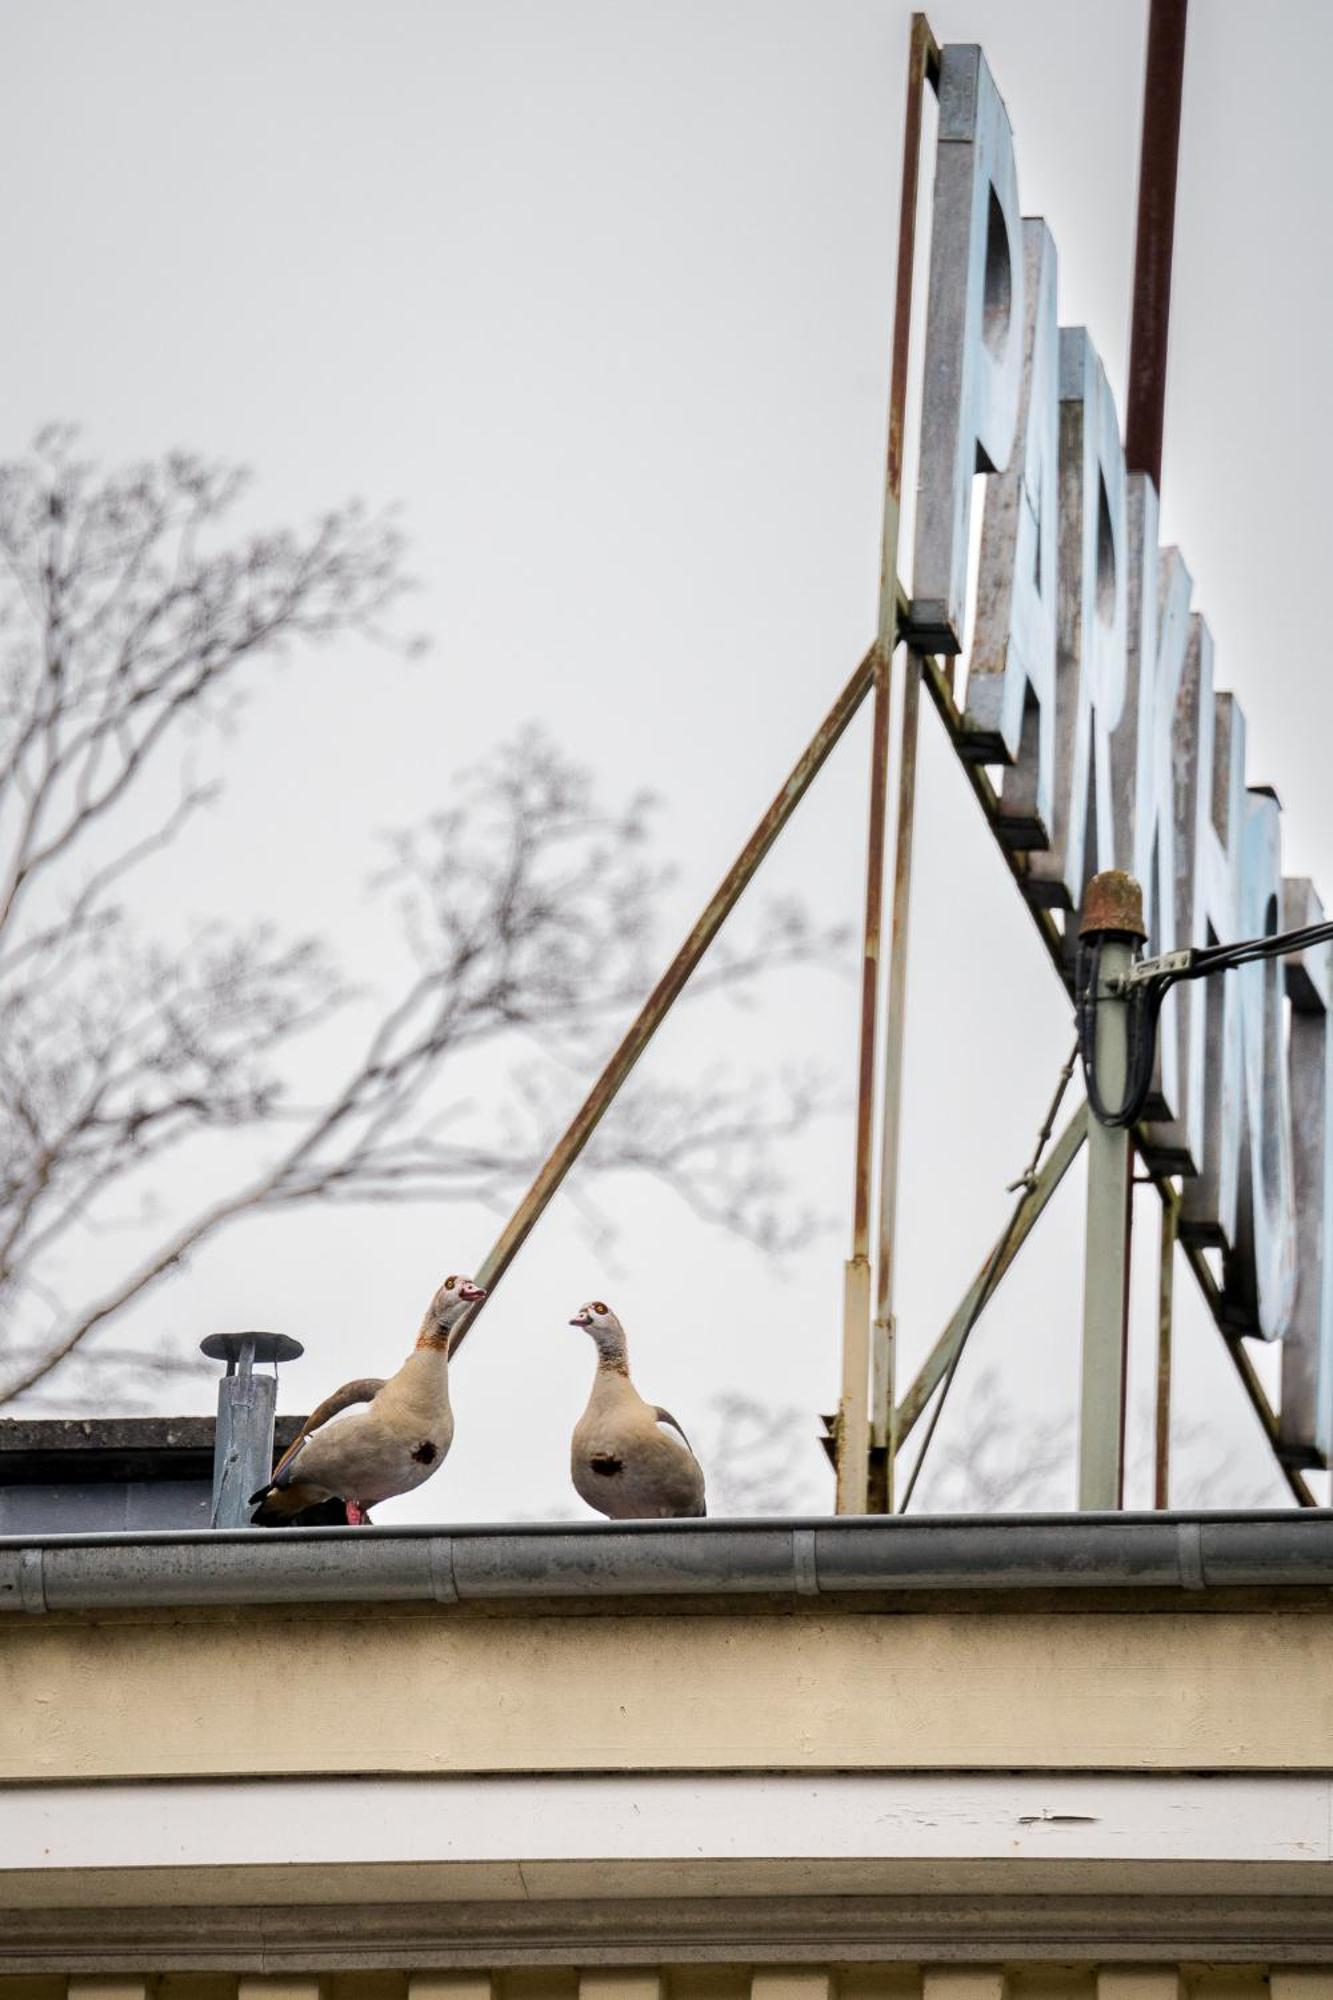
(1221, 957)
(1142, 997)
(1143, 1004)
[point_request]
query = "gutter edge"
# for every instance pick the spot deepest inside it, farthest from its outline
(801, 1560)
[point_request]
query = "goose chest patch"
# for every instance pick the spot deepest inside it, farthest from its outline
(606, 1463)
(425, 1453)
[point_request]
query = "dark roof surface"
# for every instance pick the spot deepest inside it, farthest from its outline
(90, 1450)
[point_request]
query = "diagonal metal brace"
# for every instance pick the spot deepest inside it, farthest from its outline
(1057, 1164)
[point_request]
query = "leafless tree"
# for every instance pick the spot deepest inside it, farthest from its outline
(994, 1459)
(129, 618)
(991, 1459)
(1207, 1471)
(760, 1458)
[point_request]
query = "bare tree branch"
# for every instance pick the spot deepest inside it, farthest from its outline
(760, 1458)
(527, 909)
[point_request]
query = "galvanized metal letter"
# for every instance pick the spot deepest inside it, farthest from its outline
(1209, 754)
(1307, 1352)
(1090, 654)
(1011, 667)
(1259, 1276)
(974, 344)
(1142, 781)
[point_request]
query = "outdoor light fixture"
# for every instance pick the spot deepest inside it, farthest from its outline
(1107, 973)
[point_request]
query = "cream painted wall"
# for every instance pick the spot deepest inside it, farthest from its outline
(411, 1689)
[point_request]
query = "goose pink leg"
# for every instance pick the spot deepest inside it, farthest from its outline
(357, 1516)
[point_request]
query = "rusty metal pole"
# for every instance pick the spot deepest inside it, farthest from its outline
(1158, 160)
(883, 1372)
(1145, 406)
(852, 1430)
(1113, 920)
(666, 992)
(865, 1472)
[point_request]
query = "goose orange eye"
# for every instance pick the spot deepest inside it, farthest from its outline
(449, 1284)
(598, 1307)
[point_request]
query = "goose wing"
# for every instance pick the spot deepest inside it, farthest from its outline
(363, 1390)
(665, 1419)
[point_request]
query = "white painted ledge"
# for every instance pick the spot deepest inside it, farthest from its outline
(659, 1818)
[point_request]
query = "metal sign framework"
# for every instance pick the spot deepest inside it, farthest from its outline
(872, 1422)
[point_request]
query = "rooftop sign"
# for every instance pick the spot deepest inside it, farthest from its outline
(1091, 682)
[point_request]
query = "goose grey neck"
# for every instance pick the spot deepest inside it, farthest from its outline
(612, 1352)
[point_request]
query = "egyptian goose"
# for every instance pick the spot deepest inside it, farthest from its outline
(629, 1459)
(390, 1447)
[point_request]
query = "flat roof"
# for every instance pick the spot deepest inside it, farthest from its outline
(40, 1451)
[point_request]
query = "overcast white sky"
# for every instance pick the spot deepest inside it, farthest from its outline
(602, 293)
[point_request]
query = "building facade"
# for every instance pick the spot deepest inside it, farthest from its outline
(957, 1758)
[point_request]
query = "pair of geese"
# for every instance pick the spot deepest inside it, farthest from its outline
(629, 1459)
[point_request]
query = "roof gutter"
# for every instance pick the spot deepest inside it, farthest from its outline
(842, 1560)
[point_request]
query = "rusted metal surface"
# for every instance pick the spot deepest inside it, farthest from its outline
(1165, 1316)
(895, 1028)
(1113, 906)
(923, 59)
(851, 1426)
(883, 1415)
(866, 1401)
(1158, 160)
(1061, 1157)
(667, 991)
(865, 1074)
(923, 64)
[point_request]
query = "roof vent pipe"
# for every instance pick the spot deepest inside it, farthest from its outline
(243, 1441)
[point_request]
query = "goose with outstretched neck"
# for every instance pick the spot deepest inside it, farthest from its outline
(393, 1445)
(629, 1459)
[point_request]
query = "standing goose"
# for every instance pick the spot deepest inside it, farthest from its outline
(387, 1449)
(629, 1459)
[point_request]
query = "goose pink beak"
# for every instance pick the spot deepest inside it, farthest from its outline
(581, 1319)
(471, 1294)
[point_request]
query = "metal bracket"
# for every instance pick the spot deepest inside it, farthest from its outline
(1175, 964)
